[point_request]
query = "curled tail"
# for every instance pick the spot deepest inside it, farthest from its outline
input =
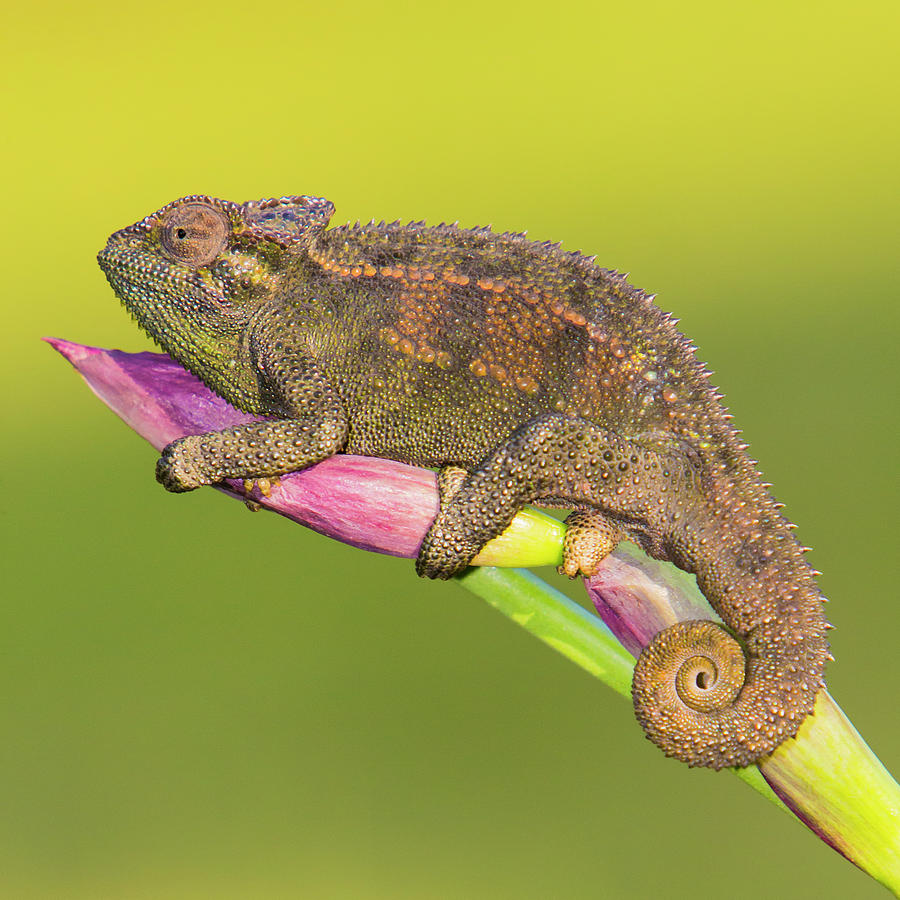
(714, 696)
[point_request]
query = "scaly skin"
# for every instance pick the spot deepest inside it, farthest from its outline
(533, 376)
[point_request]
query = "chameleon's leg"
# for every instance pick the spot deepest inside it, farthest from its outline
(552, 456)
(316, 430)
(590, 535)
(590, 538)
(253, 451)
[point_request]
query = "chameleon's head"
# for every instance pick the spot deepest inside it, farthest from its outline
(193, 273)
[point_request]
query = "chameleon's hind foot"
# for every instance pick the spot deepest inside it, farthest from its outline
(590, 538)
(546, 458)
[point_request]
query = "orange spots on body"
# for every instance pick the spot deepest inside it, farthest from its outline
(518, 316)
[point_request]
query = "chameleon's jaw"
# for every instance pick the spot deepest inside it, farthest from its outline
(116, 275)
(184, 311)
(132, 281)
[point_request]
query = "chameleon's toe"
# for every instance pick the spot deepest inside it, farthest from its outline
(590, 538)
(450, 479)
(263, 485)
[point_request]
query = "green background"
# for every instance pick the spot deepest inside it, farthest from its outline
(197, 702)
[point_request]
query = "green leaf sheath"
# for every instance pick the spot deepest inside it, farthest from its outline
(558, 621)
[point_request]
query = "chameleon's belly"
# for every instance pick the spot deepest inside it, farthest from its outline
(442, 437)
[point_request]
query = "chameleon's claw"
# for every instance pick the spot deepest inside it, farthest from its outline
(263, 485)
(251, 504)
(450, 479)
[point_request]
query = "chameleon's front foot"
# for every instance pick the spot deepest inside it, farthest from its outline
(446, 550)
(257, 451)
(180, 467)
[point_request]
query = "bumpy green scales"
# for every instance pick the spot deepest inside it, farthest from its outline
(531, 376)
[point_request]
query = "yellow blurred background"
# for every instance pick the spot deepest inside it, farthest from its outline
(200, 703)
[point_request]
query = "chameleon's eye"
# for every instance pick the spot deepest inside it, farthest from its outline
(194, 234)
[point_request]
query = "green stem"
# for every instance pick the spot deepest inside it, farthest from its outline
(556, 620)
(572, 631)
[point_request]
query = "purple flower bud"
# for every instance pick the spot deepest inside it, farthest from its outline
(827, 775)
(374, 504)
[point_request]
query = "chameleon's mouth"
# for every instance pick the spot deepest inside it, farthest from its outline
(117, 275)
(115, 265)
(103, 259)
(106, 259)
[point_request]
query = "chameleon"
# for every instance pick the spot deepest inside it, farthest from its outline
(525, 374)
